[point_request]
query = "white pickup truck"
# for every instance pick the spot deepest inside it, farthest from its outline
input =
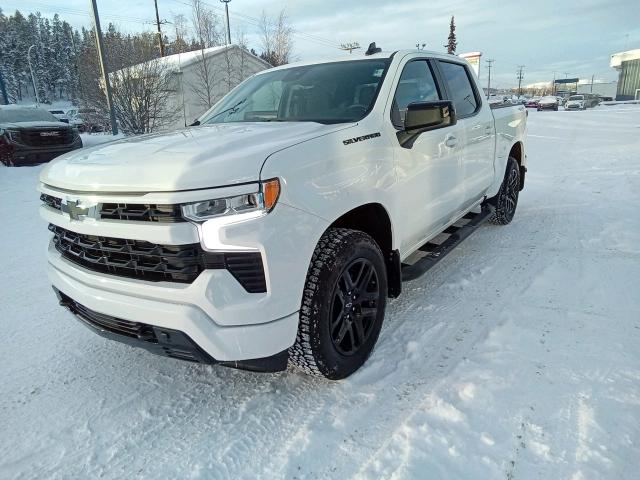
(272, 232)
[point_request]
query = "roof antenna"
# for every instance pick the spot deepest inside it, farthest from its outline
(372, 49)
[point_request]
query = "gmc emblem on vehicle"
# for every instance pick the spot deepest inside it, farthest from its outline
(49, 134)
(75, 211)
(349, 141)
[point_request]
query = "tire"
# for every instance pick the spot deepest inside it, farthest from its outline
(337, 330)
(507, 199)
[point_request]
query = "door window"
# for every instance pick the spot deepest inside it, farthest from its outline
(416, 85)
(460, 88)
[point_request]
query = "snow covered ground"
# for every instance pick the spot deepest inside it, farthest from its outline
(517, 357)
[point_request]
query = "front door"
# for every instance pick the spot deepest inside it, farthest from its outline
(429, 171)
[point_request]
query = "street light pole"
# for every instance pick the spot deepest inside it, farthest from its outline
(226, 10)
(105, 72)
(33, 78)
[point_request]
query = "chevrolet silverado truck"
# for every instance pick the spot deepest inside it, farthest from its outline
(273, 231)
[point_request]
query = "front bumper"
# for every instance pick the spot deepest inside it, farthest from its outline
(215, 311)
(160, 341)
(24, 155)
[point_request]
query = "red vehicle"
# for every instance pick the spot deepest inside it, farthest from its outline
(532, 102)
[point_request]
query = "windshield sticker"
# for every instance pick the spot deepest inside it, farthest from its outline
(378, 72)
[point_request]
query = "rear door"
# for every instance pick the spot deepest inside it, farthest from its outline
(476, 121)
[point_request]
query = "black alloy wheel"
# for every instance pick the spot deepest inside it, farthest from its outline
(355, 306)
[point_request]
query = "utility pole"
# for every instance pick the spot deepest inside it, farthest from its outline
(553, 86)
(489, 62)
(592, 77)
(160, 42)
(520, 77)
(33, 77)
(351, 46)
(103, 67)
(226, 10)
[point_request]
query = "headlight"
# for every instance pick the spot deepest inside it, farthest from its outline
(259, 202)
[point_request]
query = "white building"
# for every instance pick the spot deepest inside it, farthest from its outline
(202, 77)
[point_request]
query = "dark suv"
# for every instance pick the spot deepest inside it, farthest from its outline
(29, 136)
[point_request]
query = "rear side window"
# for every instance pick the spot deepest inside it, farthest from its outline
(416, 85)
(460, 88)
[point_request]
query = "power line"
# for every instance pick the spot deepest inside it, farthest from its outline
(256, 22)
(84, 13)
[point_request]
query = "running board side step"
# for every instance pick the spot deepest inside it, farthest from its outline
(432, 252)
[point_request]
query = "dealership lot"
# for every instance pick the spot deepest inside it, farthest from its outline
(516, 357)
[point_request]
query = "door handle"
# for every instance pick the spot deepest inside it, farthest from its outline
(451, 141)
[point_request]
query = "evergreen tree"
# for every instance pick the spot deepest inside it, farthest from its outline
(452, 43)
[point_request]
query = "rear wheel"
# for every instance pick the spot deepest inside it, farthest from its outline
(507, 199)
(343, 305)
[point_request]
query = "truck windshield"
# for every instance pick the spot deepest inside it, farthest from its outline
(325, 93)
(25, 115)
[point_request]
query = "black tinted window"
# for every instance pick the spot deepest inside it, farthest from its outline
(460, 88)
(326, 93)
(416, 85)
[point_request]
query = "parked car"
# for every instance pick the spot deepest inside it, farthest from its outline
(60, 115)
(575, 102)
(548, 103)
(88, 120)
(274, 230)
(561, 101)
(32, 135)
(532, 102)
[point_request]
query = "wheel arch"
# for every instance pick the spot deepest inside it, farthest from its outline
(374, 220)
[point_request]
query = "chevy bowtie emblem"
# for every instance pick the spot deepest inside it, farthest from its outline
(75, 211)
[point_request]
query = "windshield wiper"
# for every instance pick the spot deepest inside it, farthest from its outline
(226, 110)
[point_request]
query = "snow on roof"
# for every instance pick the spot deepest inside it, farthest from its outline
(618, 58)
(178, 61)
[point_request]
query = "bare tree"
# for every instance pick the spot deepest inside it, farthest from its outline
(205, 24)
(243, 51)
(180, 45)
(141, 97)
(277, 38)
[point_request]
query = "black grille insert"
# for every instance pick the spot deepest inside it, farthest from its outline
(53, 202)
(143, 212)
(153, 262)
(46, 137)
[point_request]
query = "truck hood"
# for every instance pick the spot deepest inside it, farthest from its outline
(202, 157)
(36, 124)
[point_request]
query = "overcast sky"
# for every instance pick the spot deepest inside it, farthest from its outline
(570, 37)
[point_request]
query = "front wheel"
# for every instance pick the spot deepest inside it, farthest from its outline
(343, 305)
(507, 199)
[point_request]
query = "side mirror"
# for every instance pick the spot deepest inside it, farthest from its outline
(195, 123)
(423, 116)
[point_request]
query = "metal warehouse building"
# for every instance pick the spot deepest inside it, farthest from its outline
(628, 64)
